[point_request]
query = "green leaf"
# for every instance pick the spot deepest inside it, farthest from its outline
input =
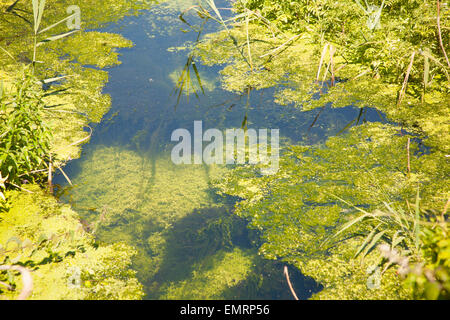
(57, 23)
(366, 241)
(35, 13)
(38, 16)
(374, 242)
(198, 77)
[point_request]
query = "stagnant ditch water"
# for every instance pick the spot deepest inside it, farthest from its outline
(189, 243)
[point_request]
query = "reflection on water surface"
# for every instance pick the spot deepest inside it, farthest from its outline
(190, 244)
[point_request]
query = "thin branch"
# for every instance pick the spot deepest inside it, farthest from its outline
(9, 287)
(27, 280)
(324, 51)
(84, 139)
(50, 178)
(445, 210)
(65, 175)
(19, 187)
(439, 31)
(332, 51)
(281, 46)
(31, 172)
(289, 282)
(409, 159)
(405, 82)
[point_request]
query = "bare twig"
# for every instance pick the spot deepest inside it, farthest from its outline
(7, 286)
(19, 187)
(50, 178)
(9, 54)
(405, 82)
(409, 159)
(361, 74)
(445, 210)
(332, 51)
(438, 5)
(65, 175)
(31, 172)
(27, 280)
(281, 46)
(248, 44)
(289, 282)
(324, 51)
(84, 139)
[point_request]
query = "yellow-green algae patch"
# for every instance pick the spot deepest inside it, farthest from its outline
(37, 232)
(65, 262)
(164, 19)
(146, 200)
(127, 182)
(208, 84)
(76, 99)
(213, 276)
(81, 46)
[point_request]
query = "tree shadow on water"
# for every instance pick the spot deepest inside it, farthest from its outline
(268, 282)
(206, 232)
(198, 235)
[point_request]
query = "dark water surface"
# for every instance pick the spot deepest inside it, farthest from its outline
(188, 241)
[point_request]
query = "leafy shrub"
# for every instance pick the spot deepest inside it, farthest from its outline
(24, 138)
(431, 278)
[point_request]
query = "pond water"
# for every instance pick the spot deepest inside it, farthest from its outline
(189, 244)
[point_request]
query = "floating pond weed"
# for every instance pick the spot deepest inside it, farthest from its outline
(145, 208)
(66, 96)
(357, 209)
(51, 240)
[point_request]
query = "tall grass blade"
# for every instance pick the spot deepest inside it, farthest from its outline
(11, 7)
(396, 239)
(405, 82)
(426, 72)
(56, 24)
(399, 216)
(40, 14)
(281, 46)
(9, 54)
(213, 6)
(50, 80)
(65, 175)
(57, 37)
(378, 16)
(35, 4)
(322, 56)
(373, 243)
(366, 241)
(435, 60)
(351, 223)
(417, 221)
(346, 127)
(360, 6)
(359, 115)
(198, 77)
(248, 43)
